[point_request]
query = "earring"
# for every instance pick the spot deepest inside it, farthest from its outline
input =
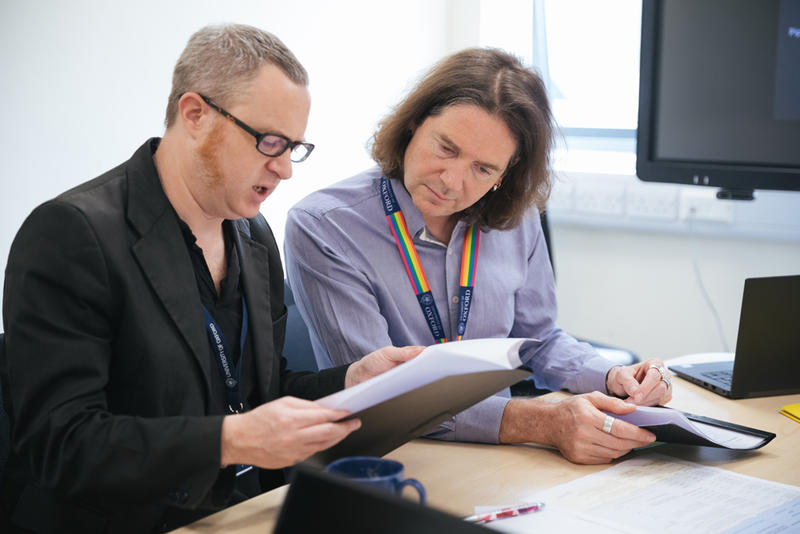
(495, 187)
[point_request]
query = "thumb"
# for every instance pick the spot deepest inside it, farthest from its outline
(621, 376)
(402, 354)
(611, 404)
(629, 383)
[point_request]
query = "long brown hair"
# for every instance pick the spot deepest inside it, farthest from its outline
(498, 83)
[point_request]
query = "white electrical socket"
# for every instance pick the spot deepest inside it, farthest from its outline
(702, 204)
(600, 199)
(651, 202)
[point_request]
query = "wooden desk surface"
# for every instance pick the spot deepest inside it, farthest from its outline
(460, 476)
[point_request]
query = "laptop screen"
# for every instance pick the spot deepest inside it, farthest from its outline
(767, 359)
(768, 345)
(321, 502)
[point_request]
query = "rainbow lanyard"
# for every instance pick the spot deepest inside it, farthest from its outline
(416, 275)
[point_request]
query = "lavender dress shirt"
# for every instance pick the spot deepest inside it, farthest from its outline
(353, 291)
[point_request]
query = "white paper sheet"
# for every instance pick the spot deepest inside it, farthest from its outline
(435, 362)
(662, 494)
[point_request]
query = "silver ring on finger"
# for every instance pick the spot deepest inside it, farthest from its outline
(664, 375)
(608, 423)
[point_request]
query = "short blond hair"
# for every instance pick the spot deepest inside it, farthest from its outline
(218, 60)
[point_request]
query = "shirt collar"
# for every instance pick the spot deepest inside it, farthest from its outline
(414, 220)
(428, 238)
(228, 285)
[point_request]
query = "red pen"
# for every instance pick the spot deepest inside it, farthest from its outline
(503, 513)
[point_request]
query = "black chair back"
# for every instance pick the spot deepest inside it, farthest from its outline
(297, 347)
(5, 437)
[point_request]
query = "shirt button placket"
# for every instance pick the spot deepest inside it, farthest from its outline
(453, 275)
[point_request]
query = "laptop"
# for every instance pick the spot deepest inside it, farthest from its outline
(767, 358)
(318, 501)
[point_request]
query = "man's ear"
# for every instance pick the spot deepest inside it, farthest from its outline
(193, 113)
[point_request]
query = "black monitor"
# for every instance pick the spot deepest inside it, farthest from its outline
(719, 94)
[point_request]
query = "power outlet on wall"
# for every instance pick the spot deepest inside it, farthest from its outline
(702, 204)
(651, 202)
(601, 199)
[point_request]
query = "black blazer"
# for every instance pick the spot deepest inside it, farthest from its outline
(108, 363)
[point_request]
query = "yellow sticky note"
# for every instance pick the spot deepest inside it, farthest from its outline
(792, 411)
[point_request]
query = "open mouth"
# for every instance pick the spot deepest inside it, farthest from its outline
(260, 190)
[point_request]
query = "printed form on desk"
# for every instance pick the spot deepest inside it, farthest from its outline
(663, 494)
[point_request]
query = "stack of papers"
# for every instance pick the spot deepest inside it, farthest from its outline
(666, 495)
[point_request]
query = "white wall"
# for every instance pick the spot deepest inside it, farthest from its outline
(638, 289)
(83, 83)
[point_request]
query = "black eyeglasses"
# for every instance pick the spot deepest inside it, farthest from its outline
(269, 144)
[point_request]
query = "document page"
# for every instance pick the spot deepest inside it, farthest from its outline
(728, 438)
(663, 494)
(435, 362)
(654, 416)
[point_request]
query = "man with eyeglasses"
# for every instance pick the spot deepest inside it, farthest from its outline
(144, 315)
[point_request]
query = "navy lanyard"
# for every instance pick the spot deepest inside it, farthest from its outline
(228, 369)
(416, 274)
(231, 374)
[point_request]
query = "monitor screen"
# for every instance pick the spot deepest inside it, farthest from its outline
(719, 95)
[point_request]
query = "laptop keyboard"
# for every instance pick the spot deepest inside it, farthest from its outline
(722, 376)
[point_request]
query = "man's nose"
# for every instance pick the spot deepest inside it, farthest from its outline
(281, 165)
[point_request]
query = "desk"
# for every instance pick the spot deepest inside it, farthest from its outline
(460, 476)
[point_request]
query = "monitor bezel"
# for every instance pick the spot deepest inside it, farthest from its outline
(718, 174)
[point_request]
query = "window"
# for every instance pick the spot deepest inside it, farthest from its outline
(588, 53)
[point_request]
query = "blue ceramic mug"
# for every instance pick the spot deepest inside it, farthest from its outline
(376, 472)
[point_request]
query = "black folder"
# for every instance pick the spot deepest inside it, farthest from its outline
(668, 431)
(391, 423)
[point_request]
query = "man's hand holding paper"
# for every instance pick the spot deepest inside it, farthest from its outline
(576, 426)
(378, 362)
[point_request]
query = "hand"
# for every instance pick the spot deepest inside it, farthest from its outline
(640, 383)
(282, 432)
(379, 362)
(574, 426)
